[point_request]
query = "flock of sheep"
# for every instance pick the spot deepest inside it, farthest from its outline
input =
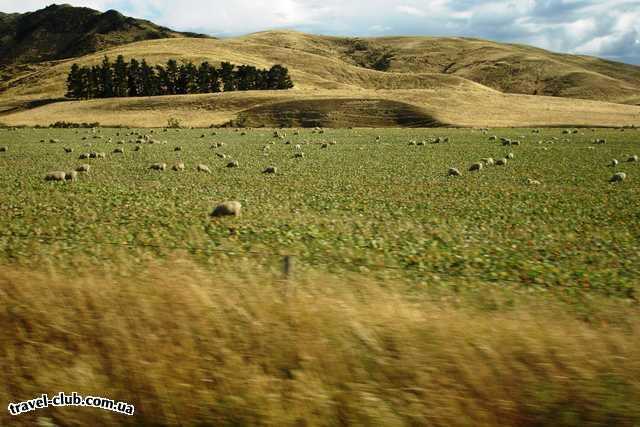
(234, 207)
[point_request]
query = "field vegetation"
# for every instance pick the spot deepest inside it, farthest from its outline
(417, 298)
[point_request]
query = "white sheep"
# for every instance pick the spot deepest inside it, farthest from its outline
(270, 169)
(158, 166)
(613, 163)
(476, 167)
(178, 167)
(118, 151)
(633, 158)
(203, 168)
(83, 168)
(618, 177)
(488, 161)
(55, 176)
(71, 176)
(232, 208)
(233, 164)
(453, 172)
(501, 162)
(510, 156)
(532, 181)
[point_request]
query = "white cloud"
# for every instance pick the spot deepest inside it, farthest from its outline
(598, 27)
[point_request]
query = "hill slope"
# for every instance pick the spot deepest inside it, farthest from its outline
(62, 31)
(434, 80)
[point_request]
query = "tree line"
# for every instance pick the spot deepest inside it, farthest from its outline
(137, 78)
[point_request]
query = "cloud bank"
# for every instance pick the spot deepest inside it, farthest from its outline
(609, 29)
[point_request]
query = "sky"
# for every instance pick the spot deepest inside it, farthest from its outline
(609, 29)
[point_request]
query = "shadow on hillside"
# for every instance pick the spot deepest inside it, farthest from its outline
(29, 105)
(336, 113)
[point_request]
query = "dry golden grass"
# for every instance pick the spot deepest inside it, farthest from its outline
(189, 347)
(453, 80)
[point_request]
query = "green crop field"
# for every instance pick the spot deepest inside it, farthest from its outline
(370, 203)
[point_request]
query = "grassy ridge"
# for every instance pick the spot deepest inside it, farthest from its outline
(456, 81)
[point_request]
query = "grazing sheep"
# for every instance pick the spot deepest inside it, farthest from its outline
(137, 148)
(83, 168)
(516, 142)
(118, 151)
(54, 141)
(453, 172)
(68, 150)
(177, 149)
(4, 149)
(178, 167)
(501, 162)
(84, 156)
(158, 166)
(532, 181)
(71, 176)
(55, 176)
(232, 208)
(493, 138)
(618, 177)
(633, 158)
(599, 141)
(488, 161)
(412, 143)
(299, 155)
(101, 156)
(203, 168)
(324, 145)
(93, 155)
(421, 143)
(233, 164)
(270, 169)
(476, 167)
(297, 147)
(222, 156)
(613, 163)
(510, 156)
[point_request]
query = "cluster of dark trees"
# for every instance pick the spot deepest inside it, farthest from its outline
(137, 78)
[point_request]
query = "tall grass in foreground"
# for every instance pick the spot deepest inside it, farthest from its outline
(191, 348)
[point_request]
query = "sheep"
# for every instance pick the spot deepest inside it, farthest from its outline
(233, 164)
(618, 177)
(532, 181)
(231, 208)
(83, 168)
(68, 150)
(324, 145)
(613, 163)
(178, 167)
(84, 156)
(203, 168)
(101, 156)
(488, 161)
(93, 155)
(516, 142)
(222, 156)
(270, 169)
(118, 151)
(137, 148)
(501, 162)
(54, 141)
(633, 158)
(71, 176)
(297, 147)
(493, 138)
(510, 156)
(476, 167)
(453, 172)
(55, 176)
(4, 149)
(158, 166)
(177, 149)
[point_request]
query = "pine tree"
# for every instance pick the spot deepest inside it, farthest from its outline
(171, 76)
(74, 82)
(214, 80)
(120, 83)
(134, 79)
(227, 76)
(204, 78)
(106, 75)
(148, 80)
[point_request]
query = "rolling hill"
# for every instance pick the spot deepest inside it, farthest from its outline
(391, 81)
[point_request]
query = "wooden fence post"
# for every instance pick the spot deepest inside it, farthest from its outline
(287, 266)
